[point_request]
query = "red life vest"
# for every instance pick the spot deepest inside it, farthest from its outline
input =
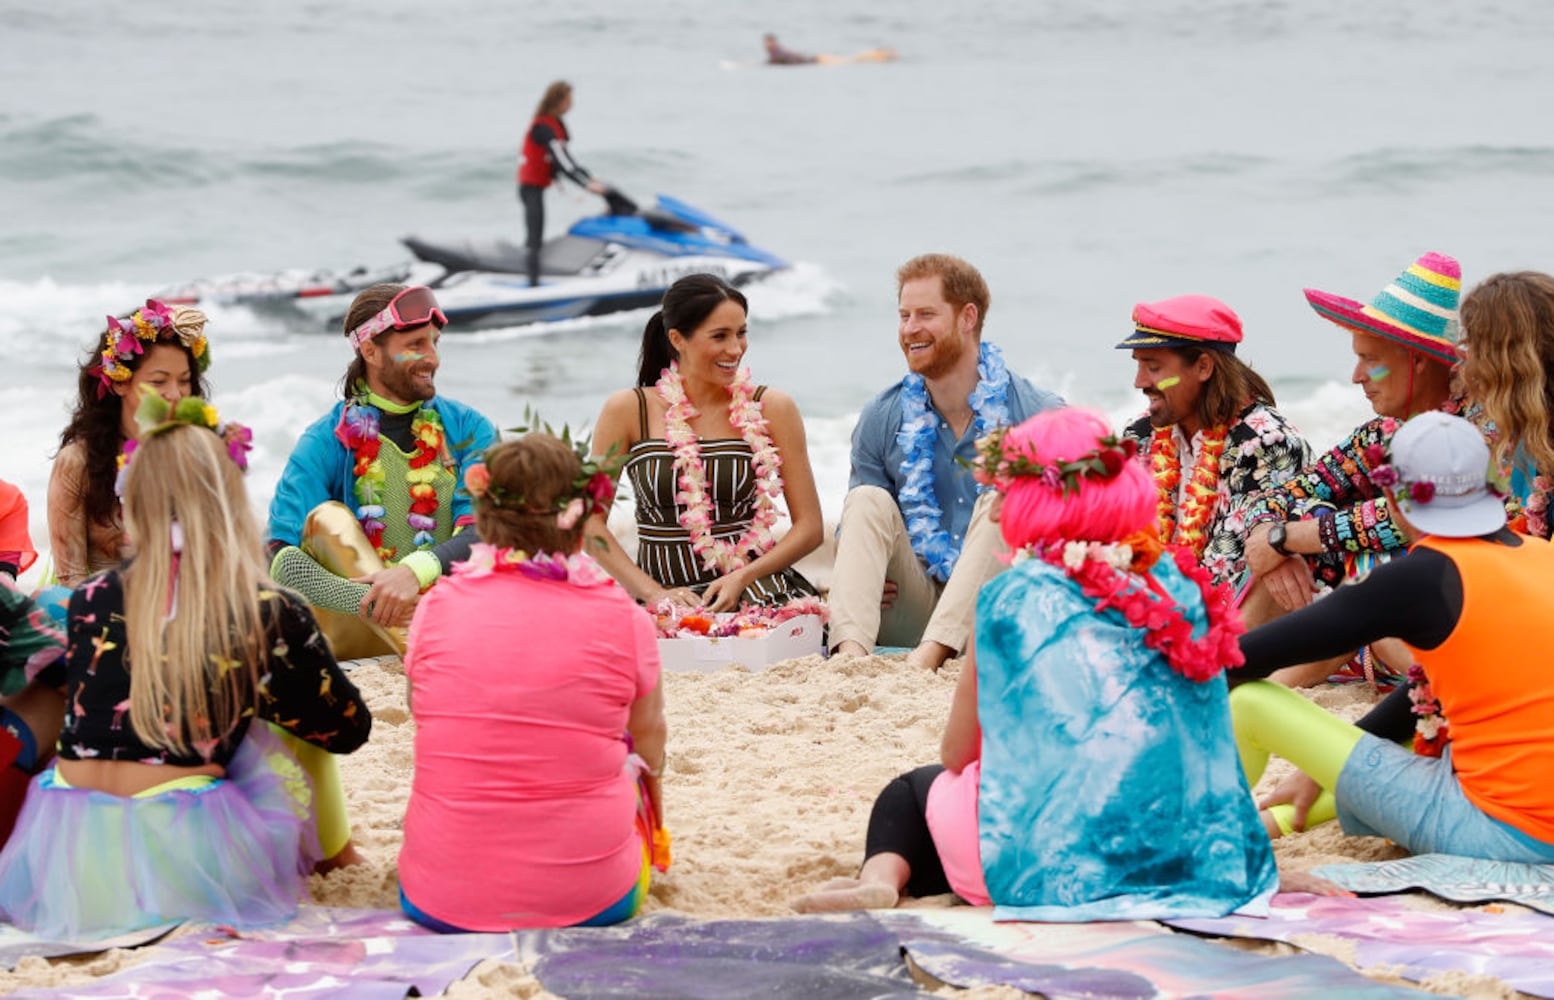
(534, 166)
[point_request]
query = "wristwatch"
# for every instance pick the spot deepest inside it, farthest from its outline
(1276, 538)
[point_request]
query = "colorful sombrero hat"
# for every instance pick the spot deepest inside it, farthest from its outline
(1418, 310)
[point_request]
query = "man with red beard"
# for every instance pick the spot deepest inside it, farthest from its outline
(368, 513)
(915, 544)
(1211, 437)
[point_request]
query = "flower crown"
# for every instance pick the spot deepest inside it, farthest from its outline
(999, 467)
(591, 491)
(1385, 475)
(152, 322)
(156, 415)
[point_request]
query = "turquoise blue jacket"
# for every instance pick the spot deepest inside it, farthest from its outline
(320, 467)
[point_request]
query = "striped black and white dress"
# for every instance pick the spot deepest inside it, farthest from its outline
(664, 546)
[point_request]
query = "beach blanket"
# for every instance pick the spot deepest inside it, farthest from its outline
(325, 952)
(1462, 880)
(16, 945)
(1416, 944)
(663, 956)
(964, 947)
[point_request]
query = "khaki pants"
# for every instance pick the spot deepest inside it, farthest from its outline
(873, 546)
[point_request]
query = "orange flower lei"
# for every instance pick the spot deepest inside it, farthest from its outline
(1190, 530)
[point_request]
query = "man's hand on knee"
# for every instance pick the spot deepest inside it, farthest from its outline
(889, 596)
(391, 595)
(1290, 583)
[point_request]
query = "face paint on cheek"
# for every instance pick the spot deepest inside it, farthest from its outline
(1378, 373)
(1167, 383)
(407, 357)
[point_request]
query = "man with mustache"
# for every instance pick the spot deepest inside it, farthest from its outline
(915, 544)
(369, 513)
(1211, 436)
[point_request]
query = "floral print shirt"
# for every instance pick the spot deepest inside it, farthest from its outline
(1262, 449)
(301, 689)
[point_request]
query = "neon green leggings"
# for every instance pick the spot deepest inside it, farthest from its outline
(1271, 719)
(334, 823)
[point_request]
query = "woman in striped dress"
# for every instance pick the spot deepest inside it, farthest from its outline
(708, 455)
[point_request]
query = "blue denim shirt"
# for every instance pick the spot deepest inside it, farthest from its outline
(878, 460)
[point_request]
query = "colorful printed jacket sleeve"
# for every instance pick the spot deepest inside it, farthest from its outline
(317, 470)
(1354, 516)
(303, 690)
(33, 644)
(1262, 451)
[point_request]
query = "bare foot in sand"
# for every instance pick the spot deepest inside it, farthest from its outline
(347, 856)
(930, 655)
(842, 894)
(1314, 884)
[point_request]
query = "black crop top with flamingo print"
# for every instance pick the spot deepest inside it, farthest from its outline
(301, 687)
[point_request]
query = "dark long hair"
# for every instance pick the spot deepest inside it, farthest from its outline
(368, 303)
(97, 422)
(1232, 388)
(686, 306)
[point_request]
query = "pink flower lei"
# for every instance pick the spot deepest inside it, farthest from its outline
(744, 414)
(577, 569)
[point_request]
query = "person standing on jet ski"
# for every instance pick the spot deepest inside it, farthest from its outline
(545, 154)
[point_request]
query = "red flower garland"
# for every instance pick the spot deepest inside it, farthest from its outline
(1149, 607)
(1189, 526)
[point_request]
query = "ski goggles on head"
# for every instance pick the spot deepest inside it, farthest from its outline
(414, 307)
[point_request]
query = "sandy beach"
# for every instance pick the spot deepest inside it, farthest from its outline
(770, 778)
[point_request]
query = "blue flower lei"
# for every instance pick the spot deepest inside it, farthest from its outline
(917, 436)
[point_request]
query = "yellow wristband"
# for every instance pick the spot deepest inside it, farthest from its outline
(426, 567)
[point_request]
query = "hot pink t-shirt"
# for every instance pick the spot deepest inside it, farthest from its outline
(520, 812)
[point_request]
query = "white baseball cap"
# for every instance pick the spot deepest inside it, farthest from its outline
(1448, 454)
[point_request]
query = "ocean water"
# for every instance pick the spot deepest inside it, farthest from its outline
(1085, 154)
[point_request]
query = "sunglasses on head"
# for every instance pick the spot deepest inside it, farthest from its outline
(414, 307)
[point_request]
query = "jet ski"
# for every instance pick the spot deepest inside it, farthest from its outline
(623, 259)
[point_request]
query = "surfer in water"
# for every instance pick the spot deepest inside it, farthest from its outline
(776, 55)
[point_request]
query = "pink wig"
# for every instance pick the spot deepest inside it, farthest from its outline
(1103, 510)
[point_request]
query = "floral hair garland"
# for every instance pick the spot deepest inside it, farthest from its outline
(998, 467)
(156, 415)
(1385, 475)
(918, 434)
(591, 491)
(695, 515)
(152, 322)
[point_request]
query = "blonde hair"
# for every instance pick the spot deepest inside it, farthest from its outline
(195, 674)
(1508, 322)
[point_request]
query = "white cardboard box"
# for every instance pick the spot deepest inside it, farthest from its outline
(800, 636)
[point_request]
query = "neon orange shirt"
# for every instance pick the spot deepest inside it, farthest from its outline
(1495, 681)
